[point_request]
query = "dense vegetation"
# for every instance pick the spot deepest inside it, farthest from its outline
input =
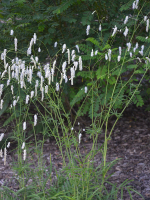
(64, 22)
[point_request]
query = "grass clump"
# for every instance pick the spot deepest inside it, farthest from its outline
(34, 95)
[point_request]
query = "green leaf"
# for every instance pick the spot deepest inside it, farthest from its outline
(64, 6)
(116, 72)
(41, 27)
(101, 72)
(94, 41)
(126, 6)
(143, 39)
(1, 16)
(79, 96)
(21, 1)
(111, 80)
(51, 30)
(107, 46)
(132, 66)
(86, 74)
(87, 17)
(148, 91)
(139, 71)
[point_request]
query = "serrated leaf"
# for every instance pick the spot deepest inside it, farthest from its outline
(94, 41)
(79, 96)
(87, 17)
(86, 74)
(126, 6)
(101, 72)
(143, 39)
(63, 7)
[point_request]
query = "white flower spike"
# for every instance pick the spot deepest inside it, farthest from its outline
(68, 56)
(145, 18)
(77, 48)
(80, 137)
(23, 145)
(115, 30)
(135, 4)
(39, 49)
(120, 51)
(8, 145)
(85, 89)
(11, 32)
(126, 20)
(96, 52)
(129, 46)
(34, 38)
(147, 25)
(106, 57)
(126, 32)
(57, 87)
(35, 120)
(64, 47)
(55, 44)
(88, 29)
(100, 27)
(92, 53)
(24, 125)
(1, 136)
(15, 42)
(80, 63)
(119, 58)
(109, 54)
(24, 154)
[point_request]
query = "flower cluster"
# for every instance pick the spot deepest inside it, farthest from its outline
(5, 150)
(24, 151)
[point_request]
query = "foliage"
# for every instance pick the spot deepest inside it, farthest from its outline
(53, 21)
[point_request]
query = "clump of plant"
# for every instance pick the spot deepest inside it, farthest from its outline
(37, 96)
